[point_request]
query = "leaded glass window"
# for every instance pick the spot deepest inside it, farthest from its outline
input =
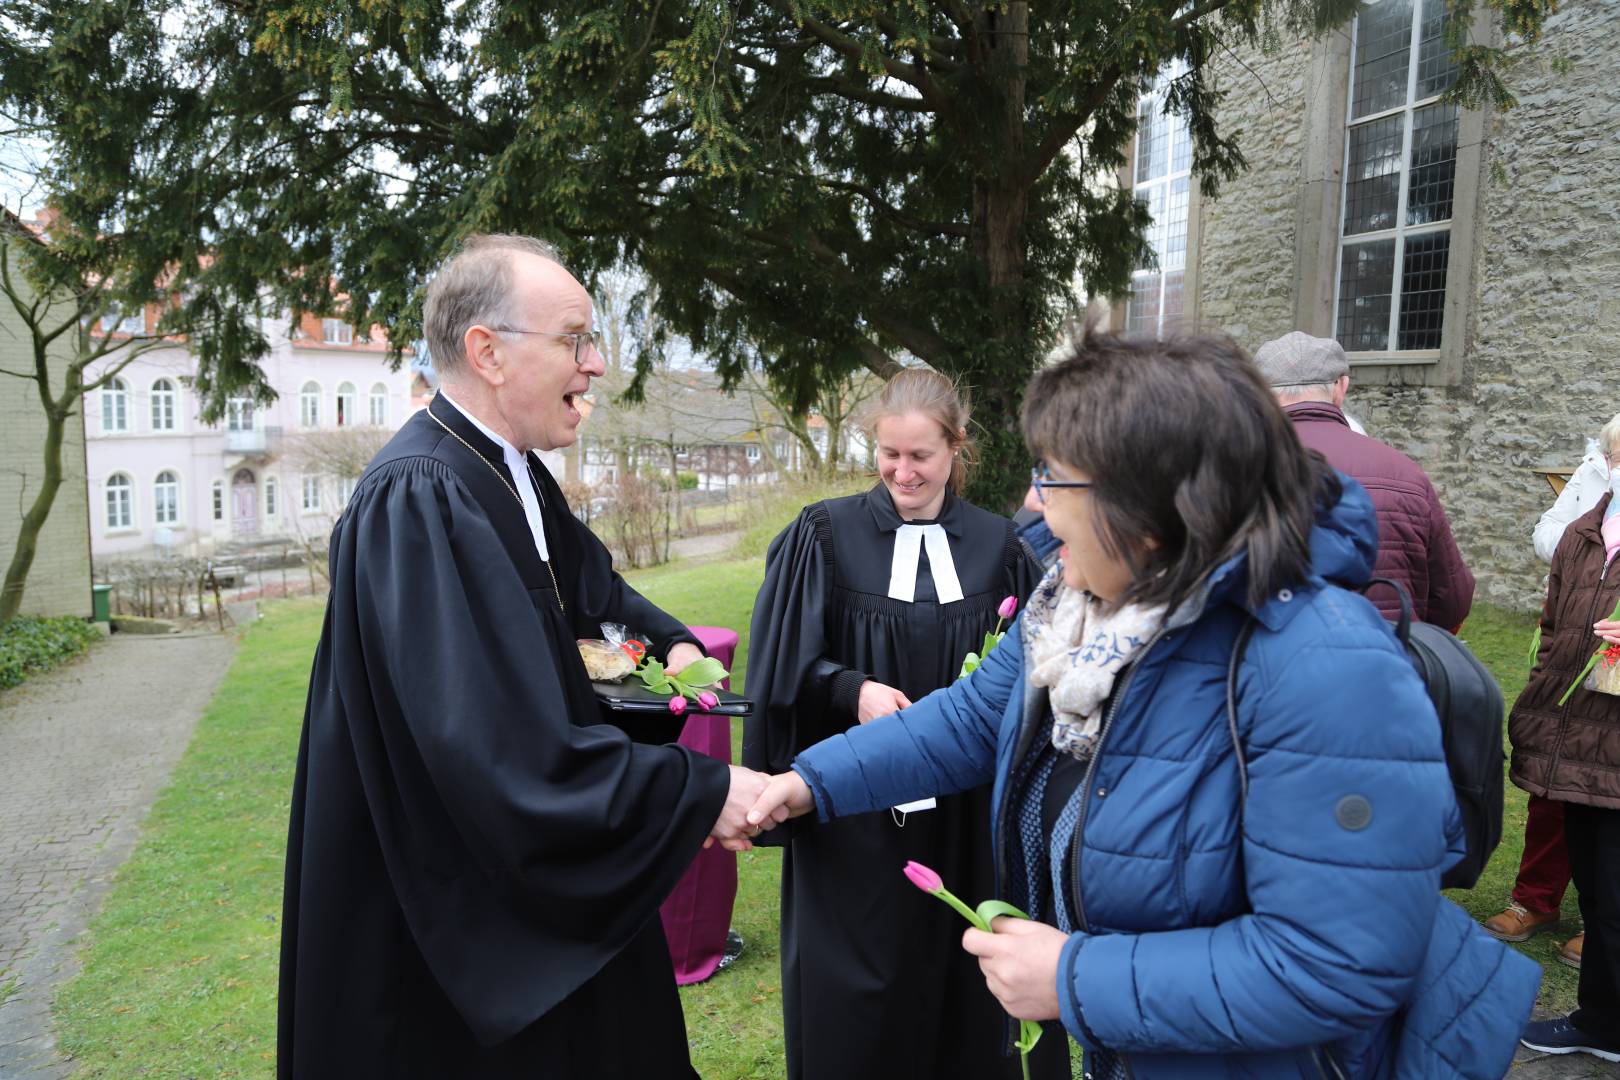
(1399, 180)
(1161, 175)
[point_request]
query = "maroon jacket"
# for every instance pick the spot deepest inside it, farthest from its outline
(1415, 545)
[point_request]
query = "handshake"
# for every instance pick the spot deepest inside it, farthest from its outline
(757, 802)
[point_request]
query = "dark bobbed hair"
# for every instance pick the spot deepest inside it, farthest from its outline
(1185, 447)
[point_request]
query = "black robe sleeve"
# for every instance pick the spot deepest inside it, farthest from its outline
(526, 843)
(800, 695)
(603, 595)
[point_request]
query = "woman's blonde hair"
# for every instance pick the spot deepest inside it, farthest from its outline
(1609, 437)
(925, 391)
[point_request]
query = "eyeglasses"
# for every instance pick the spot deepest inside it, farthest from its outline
(593, 338)
(1040, 477)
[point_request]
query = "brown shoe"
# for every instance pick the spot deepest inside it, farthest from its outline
(1570, 951)
(1518, 923)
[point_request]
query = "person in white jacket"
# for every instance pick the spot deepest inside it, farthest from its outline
(1585, 488)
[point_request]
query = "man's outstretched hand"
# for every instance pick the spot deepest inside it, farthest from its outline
(732, 829)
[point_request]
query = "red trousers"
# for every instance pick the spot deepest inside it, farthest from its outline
(1544, 868)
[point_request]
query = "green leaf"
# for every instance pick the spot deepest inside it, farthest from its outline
(705, 672)
(651, 674)
(970, 664)
(991, 908)
(991, 640)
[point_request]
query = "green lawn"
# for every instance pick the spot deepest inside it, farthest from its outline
(1502, 640)
(180, 968)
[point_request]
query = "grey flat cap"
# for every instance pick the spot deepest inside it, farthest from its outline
(1297, 359)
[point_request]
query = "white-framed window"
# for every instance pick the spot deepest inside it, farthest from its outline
(309, 405)
(379, 405)
(166, 498)
(116, 322)
(114, 406)
(163, 400)
(219, 500)
(752, 452)
(312, 494)
(336, 332)
(345, 404)
(1399, 178)
(238, 414)
(1161, 177)
(345, 490)
(120, 501)
(270, 493)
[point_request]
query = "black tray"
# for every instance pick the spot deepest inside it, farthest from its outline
(631, 696)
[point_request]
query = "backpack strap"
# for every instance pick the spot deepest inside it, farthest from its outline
(1239, 647)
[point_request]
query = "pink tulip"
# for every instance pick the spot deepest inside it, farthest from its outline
(677, 704)
(707, 699)
(1008, 608)
(924, 878)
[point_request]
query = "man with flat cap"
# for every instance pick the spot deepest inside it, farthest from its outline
(475, 861)
(1310, 376)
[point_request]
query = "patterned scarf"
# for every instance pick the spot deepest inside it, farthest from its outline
(1076, 646)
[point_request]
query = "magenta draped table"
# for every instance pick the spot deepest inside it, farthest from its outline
(698, 913)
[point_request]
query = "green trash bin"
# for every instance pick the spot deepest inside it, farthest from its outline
(101, 602)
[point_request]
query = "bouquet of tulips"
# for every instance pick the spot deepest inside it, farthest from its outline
(705, 673)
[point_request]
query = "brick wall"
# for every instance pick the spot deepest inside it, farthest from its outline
(59, 583)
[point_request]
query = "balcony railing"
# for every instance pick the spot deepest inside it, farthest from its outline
(256, 441)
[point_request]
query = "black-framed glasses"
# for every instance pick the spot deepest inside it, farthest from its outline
(581, 339)
(1040, 478)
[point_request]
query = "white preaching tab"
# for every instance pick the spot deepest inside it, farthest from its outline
(908, 544)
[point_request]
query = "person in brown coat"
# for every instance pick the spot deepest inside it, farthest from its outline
(1571, 753)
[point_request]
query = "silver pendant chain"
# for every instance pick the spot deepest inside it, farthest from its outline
(506, 483)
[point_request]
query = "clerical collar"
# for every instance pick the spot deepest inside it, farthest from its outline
(888, 519)
(910, 538)
(517, 465)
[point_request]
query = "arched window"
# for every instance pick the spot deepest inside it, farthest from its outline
(163, 399)
(379, 405)
(345, 404)
(120, 496)
(270, 497)
(219, 500)
(115, 407)
(309, 405)
(166, 498)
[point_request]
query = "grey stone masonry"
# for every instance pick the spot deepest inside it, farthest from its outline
(1531, 364)
(59, 582)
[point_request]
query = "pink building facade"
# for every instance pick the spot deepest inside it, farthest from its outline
(161, 481)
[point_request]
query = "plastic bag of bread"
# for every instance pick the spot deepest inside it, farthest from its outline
(604, 662)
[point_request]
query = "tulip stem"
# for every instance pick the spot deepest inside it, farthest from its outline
(962, 909)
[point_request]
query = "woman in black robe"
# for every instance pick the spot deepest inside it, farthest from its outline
(871, 602)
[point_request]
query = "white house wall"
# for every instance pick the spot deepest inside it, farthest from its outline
(200, 455)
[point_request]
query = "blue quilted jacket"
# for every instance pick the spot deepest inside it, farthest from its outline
(1299, 934)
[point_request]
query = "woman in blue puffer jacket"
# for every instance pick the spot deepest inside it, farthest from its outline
(1182, 927)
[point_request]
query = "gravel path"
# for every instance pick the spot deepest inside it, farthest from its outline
(83, 752)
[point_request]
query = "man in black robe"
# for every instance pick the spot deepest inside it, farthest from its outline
(475, 860)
